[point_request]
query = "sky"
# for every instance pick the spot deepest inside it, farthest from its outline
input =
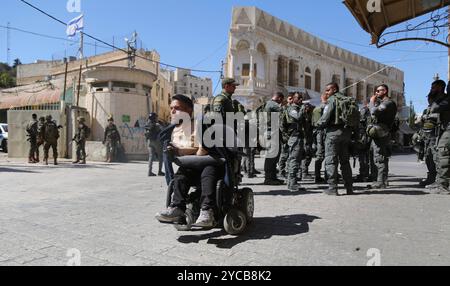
(194, 33)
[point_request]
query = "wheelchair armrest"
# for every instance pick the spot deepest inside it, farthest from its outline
(198, 162)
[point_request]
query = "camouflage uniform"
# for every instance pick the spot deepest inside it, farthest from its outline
(40, 136)
(337, 143)
(80, 139)
(364, 142)
(284, 154)
(111, 139)
(319, 143)
(270, 164)
(155, 150)
(32, 130)
(295, 120)
(441, 108)
(429, 132)
(51, 136)
(309, 140)
(383, 116)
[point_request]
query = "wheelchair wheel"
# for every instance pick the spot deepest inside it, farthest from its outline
(248, 204)
(187, 222)
(169, 194)
(235, 222)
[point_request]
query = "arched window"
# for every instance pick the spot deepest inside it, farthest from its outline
(318, 85)
(308, 81)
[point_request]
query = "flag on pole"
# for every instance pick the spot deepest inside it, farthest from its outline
(75, 26)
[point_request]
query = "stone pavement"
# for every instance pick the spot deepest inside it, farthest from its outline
(106, 212)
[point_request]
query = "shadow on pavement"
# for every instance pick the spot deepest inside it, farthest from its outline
(16, 170)
(260, 229)
(391, 192)
(285, 193)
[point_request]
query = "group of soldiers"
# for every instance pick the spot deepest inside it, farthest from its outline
(332, 133)
(433, 139)
(45, 131)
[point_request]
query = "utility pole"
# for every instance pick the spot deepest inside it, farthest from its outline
(8, 43)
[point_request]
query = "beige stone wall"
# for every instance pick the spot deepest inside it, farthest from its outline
(18, 146)
(266, 55)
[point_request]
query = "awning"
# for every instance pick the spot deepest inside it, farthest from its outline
(375, 16)
(23, 99)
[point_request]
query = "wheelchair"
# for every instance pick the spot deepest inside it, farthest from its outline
(234, 208)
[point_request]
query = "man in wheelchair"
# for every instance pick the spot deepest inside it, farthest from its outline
(202, 176)
(210, 171)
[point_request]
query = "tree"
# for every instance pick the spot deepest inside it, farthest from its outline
(6, 81)
(17, 62)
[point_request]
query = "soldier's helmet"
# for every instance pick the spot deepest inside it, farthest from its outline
(111, 119)
(81, 119)
(153, 116)
(49, 118)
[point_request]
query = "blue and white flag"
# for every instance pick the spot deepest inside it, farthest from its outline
(75, 26)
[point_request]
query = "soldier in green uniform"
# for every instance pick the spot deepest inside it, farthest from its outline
(338, 138)
(309, 134)
(80, 138)
(429, 134)
(32, 130)
(319, 140)
(384, 111)
(284, 138)
(440, 110)
(295, 118)
(111, 140)
(155, 150)
(364, 144)
(273, 107)
(40, 137)
(51, 136)
(223, 103)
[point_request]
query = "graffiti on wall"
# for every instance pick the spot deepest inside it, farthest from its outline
(133, 136)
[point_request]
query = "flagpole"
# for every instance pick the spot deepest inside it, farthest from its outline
(81, 45)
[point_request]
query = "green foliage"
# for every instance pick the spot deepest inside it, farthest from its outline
(8, 74)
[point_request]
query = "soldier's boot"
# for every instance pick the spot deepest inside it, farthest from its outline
(76, 161)
(428, 181)
(31, 160)
(83, 162)
(349, 190)
(55, 162)
(36, 160)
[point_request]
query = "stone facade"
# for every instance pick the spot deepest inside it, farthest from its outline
(266, 55)
(190, 85)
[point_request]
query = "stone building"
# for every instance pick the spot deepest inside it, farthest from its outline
(266, 54)
(192, 86)
(111, 84)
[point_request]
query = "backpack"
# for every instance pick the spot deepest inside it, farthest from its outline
(51, 131)
(317, 115)
(347, 111)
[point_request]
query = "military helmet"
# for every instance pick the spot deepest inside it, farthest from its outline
(153, 116)
(81, 119)
(49, 118)
(110, 118)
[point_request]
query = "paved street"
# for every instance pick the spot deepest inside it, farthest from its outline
(107, 213)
